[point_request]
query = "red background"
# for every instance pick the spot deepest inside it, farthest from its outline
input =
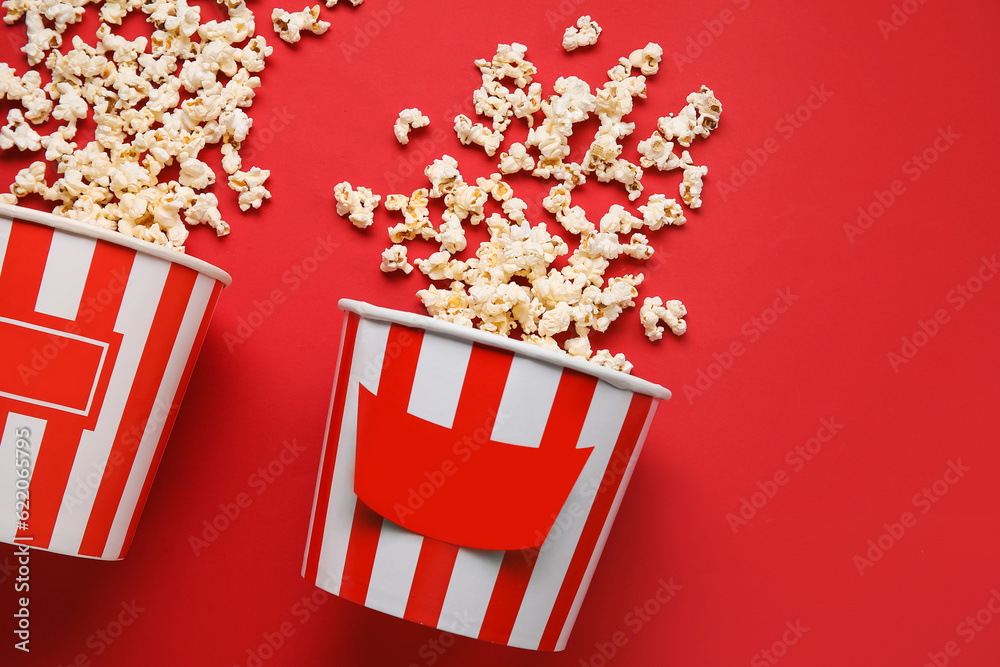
(781, 229)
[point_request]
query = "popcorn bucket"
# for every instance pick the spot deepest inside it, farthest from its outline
(99, 333)
(468, 481)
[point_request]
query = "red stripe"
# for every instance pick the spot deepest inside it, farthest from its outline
(628, 438)
(329, 458)
(565, 422)
(54, 459)
(562, 430)
(430, 581)
(156, 352)
(508, 592)
(360, 553)
(171, 415)
(100, 303)
(23, 266)
(399, 365)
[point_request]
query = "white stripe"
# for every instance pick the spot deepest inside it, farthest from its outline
(526, 403)
(392, 572)
(366, 365)
(585, 582)
(135, 317)
(12, 432)
(438, 380)
(604, 421)
(201, 292)
(5, 225)
(469, 591)
(65, 275)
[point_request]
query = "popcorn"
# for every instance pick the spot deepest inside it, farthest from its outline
(18, 133)
(204, 210)
(444, 175)
(466, 201)
(417, 220)
(491, 100)
(196, 174)
(516, 159)
(394, 259)
(510, 285)
(132, 89)
(638, 247)
(558, 200)
(691, 186)
(250, 185)
(289, 25)
(441, 266)
(408, 119)
(659, 211)
(647, 59)
(508, 63)
(30, 180)
(358, 205)
(525, 103)
(477, 133)
(451, 234)
(619, 221)
(495, 187)
(698, 118)
(616, 362)
(657, 152)
(585, 33)
(654, 310)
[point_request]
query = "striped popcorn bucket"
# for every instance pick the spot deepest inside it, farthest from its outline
(468, 482)
(99, 333)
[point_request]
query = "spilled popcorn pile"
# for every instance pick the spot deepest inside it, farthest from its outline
(155, 102)
(511, 285)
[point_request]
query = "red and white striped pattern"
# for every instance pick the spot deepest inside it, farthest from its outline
(94, 459)
(524, 598)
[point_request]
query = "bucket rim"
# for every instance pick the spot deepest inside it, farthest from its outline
(79, 228)
(450, 329)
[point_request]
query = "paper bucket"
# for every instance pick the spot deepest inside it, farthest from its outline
(99, 333)
(468, 482)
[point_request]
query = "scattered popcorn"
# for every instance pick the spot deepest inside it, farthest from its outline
(477, 133)
(698, 118)
(659, 211)
(250, 185)
(196, 174)
(408, 119)
(659, 153)
(131, 88)
(18, 133)
(358, 205)
(417, 220)
(510, 284)
(585, 33)
(289, 25)
(394, 259)
(516, 159)
(647, 59)
(495, 187)
(691, 186)
(654, 310)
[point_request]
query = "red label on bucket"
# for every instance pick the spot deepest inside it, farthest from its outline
(504, 496)
(50, 368)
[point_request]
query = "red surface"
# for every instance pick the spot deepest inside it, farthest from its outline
(679, 582)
